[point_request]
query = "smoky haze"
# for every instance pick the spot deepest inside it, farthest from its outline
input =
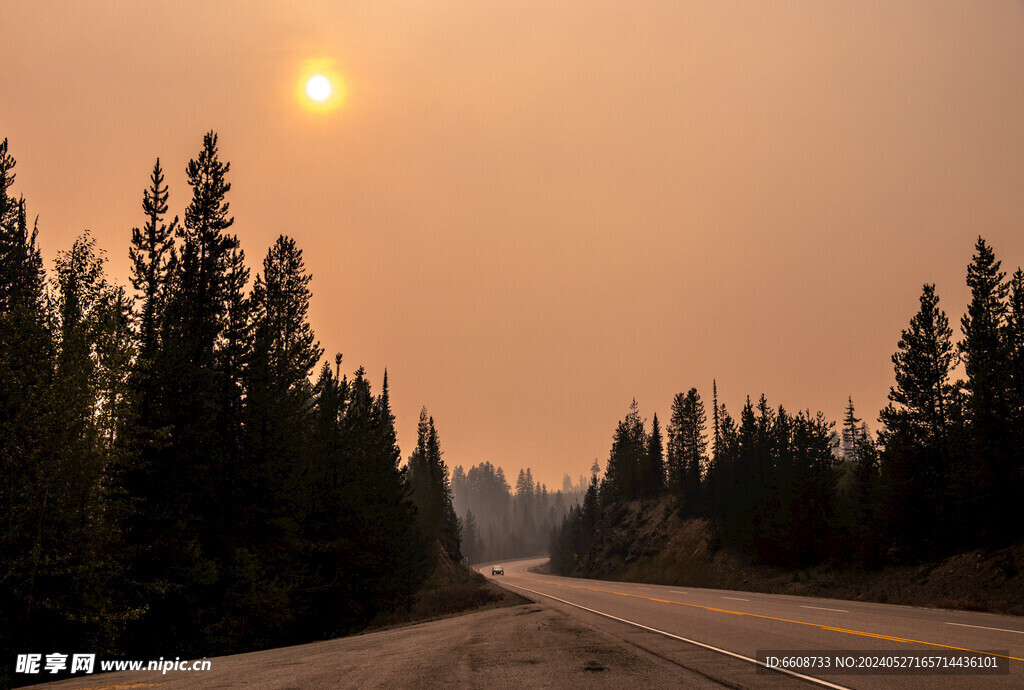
(531, 214)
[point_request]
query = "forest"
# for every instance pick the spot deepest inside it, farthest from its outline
(176, 474)
(943, 475)
(499, 524)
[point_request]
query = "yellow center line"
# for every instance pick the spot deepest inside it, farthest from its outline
(821, 626)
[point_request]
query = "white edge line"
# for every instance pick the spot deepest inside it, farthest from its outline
(822, 608)
(735, 598)
(811, 679)
(985, 627)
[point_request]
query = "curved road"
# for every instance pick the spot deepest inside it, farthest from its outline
(719, 633)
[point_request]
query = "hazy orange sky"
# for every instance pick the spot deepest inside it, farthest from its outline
(531, 212)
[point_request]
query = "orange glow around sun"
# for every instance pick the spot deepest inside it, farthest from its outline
(319, 87)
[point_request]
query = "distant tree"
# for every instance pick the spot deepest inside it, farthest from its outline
(851, 432)
(714, 406)
(472, 544)
(571, 537)
(523, 508)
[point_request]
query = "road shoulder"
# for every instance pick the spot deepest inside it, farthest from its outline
(528, 645)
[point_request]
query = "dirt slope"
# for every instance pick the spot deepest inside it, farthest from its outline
(650, 543)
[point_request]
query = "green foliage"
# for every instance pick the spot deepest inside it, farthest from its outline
(170, 477)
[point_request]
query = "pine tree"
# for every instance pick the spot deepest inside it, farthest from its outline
(652, 475)
(714, 407)
(676, 456)
(621, 476)
(866, 501)
(713, 476)
(522, 508)
(986, 357)
(178, 527)
(284, 353)
(402, 560)
(150, 253)
(696, 445)
(76, 575)
(851, 432)
(472, 545)
(431, 492)
(1015, 339)
(916, 460)
(687, 448)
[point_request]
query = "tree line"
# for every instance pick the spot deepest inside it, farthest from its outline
(498, 523)
(176, 476)
(943, 475)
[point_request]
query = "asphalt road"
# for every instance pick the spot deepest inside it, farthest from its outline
(718, 633)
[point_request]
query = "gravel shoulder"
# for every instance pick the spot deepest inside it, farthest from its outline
(523, 645)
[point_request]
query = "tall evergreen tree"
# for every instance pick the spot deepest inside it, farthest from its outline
(652, 470)
(27, 451)
(622, 472)
(687, 448)
(851, 432)
(472, 544)
(986, 356)
(1015, 338)
(150, 253)
(916, 460)
(284, 353)
(177, 529)
(71, 585)
(714, 406)
(431, 491)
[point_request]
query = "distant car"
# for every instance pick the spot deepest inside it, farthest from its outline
(497, 570)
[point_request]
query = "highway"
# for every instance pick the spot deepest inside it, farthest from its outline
(718, 633)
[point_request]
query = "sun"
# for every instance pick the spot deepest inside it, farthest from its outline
(318, 88)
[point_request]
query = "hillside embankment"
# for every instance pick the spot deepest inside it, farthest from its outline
(650, 543)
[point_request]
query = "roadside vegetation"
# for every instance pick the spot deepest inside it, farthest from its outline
(653, 543)
(180, 472)
(939, 483)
